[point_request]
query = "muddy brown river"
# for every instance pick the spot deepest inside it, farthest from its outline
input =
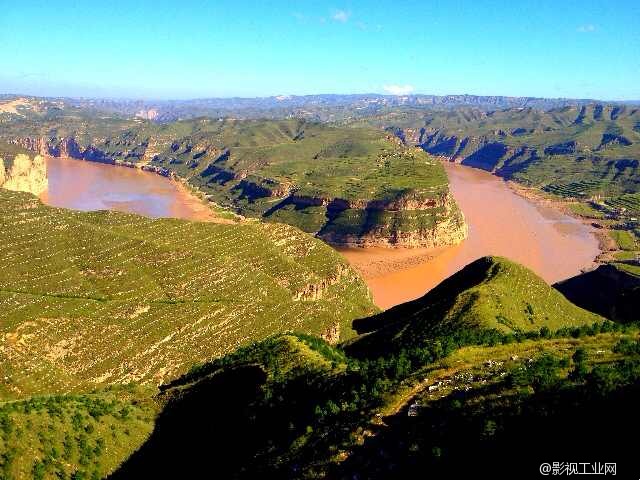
(81, 185)
(501, 222)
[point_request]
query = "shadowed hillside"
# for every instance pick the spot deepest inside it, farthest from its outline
(490, 293)
(608, 290)
(293, 406)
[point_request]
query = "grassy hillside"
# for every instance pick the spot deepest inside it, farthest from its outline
(300, 408)
(575, 151)
(347, 185)
(83, 436)
(490, 293)
(292, 405)
(76, 288)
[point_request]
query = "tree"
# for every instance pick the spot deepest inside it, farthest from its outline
(580, 370)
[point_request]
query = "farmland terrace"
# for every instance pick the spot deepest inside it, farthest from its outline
(346, 185)
(76, 287)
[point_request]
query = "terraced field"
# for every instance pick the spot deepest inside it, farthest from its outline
(347, 185)
(629, 202)
(76, 288)
(581, 189)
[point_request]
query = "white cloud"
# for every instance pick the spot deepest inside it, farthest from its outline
(341, 16)
(398, 89)
(587, 28)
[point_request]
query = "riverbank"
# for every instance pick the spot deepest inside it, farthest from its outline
(501, 222)
(87, 185)
(607, 246)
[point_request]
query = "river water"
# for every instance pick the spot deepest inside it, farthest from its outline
(500, 221)
(82, 185)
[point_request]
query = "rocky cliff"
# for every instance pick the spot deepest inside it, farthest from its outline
(430, 223)
(385, 194)
(25, 175)
(531, 146)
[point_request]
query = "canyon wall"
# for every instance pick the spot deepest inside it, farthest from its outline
(430, 223)
(25, 175)
(490, 152)
(408, 218)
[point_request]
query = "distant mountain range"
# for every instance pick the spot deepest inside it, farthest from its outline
(318, 107)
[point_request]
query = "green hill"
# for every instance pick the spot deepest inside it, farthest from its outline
(73, 436)
(575, 151)
(105, 298)
(296, 407)
(346, 185)
(489, 293)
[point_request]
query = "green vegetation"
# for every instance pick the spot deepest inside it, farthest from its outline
(73, 436)
(628, 202)
(186, 291)
(312, 410)
(577, 148)
(590, 153)
(490, 293)
(586, 210)
(625, 240)
(97, 309)
(344, 184)
(575, 189)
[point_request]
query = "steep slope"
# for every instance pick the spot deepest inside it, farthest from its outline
(346, 185)
(489, 293)
(246, 421)
(594, 148)
(104, 297)
(25, 175)
(295, 407)
(608, 290)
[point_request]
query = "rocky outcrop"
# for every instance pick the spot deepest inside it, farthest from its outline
(408, 218)
(427, 227)
(316, 291)
(68, 147)
(25, 175)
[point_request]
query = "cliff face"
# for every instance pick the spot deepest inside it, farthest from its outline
(428, 224)
(66, 147)
(409, 216)
(26, 175)
(486, 152)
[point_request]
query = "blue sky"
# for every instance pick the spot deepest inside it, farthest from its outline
(190, 48)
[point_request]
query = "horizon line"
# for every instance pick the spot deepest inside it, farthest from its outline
(289, 96)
